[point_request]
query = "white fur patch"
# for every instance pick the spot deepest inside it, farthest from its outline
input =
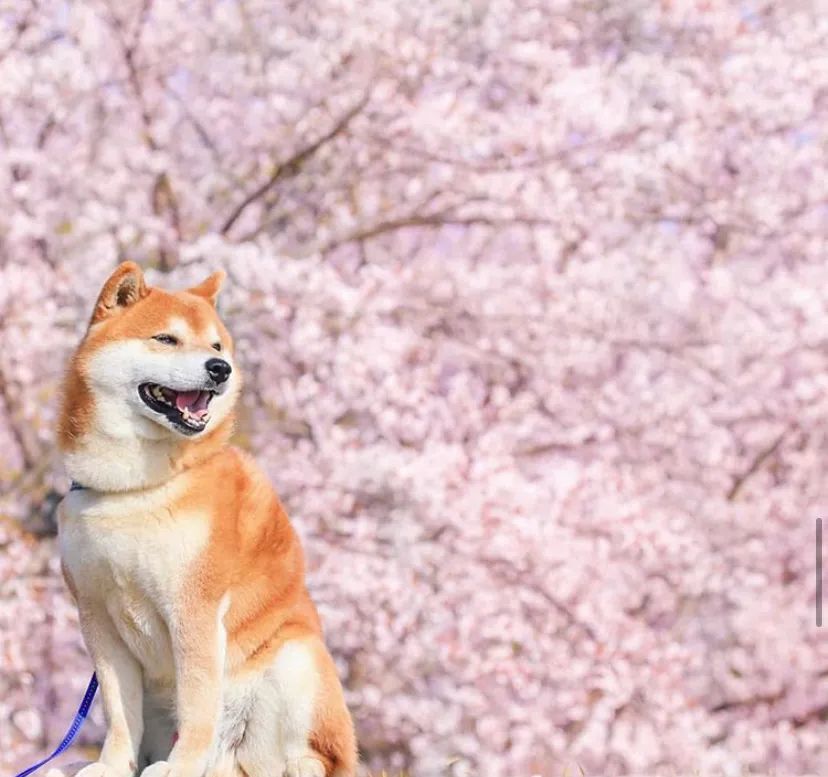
(129, 557)
(280, 720)
(212, 336)
(179, 328)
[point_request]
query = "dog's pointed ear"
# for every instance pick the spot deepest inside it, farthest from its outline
(210, 287)
(122, 289)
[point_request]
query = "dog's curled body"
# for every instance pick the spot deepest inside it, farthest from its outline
(187, 573)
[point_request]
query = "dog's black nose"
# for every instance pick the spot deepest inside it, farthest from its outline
(218, 369)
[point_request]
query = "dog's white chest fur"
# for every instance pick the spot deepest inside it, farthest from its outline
(127, 556)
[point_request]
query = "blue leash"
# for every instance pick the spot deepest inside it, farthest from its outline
(83, 711)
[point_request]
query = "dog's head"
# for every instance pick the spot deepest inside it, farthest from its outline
(153, 364)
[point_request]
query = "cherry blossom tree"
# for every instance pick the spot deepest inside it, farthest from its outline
(529, 299)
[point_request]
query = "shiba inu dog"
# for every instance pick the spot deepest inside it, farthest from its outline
(188, 576)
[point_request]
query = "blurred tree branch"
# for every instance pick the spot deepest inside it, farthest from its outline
(293, 164)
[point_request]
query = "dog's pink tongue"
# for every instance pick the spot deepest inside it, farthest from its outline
(194, 401)
(186, 399)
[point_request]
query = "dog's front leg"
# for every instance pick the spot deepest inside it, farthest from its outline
(119, 674)
(199, 642)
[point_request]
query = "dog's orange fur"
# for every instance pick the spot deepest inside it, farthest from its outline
(255, 553)
(252, 553)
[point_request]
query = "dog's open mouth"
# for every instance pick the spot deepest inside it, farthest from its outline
(188, 410)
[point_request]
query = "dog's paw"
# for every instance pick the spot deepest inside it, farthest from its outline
(67, 770)
(175, 768)
(158, 769)
(98, 769)
(305, 767)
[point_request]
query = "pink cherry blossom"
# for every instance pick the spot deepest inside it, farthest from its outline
(530, 300)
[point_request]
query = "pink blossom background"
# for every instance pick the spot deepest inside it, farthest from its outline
(530, 299)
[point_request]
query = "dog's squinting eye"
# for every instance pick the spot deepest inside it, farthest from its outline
(216, 346)
(166, 339)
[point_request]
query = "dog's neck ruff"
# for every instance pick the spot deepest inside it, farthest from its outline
(104, 463)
